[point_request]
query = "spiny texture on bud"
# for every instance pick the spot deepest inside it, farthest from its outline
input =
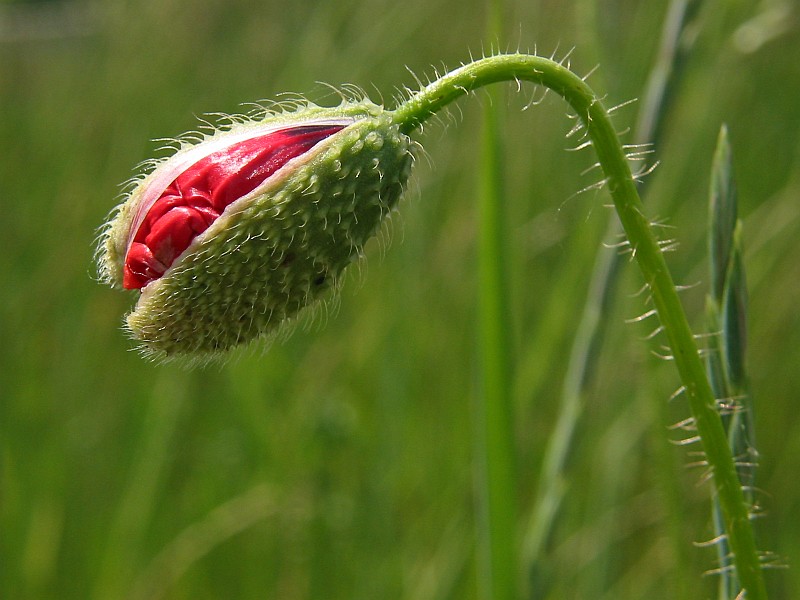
(236, 270)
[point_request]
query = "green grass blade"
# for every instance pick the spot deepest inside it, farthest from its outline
(496, 453)
(497, 521)
(722, 215)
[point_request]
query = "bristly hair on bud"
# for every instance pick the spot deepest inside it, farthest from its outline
(235, 234)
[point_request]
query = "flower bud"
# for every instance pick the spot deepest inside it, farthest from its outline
(231, 237)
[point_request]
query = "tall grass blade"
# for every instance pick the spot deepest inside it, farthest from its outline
(497, 519)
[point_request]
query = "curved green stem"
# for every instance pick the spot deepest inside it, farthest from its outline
(645, 249)
(590, 332)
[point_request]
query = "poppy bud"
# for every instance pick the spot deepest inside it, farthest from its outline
(234, 235)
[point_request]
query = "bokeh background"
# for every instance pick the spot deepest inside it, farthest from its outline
(339, 463)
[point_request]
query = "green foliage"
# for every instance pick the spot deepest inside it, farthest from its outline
(726, 314)
(338, 465)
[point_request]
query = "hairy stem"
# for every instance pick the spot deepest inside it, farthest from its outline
(591, 327)
(645, 249)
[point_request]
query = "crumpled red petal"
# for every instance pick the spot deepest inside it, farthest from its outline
(199, 195)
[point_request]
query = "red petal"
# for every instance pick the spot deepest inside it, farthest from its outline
(174, 231)
(198, 196)
(141, 267)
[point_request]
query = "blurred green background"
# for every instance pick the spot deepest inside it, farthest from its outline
(339, 463)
